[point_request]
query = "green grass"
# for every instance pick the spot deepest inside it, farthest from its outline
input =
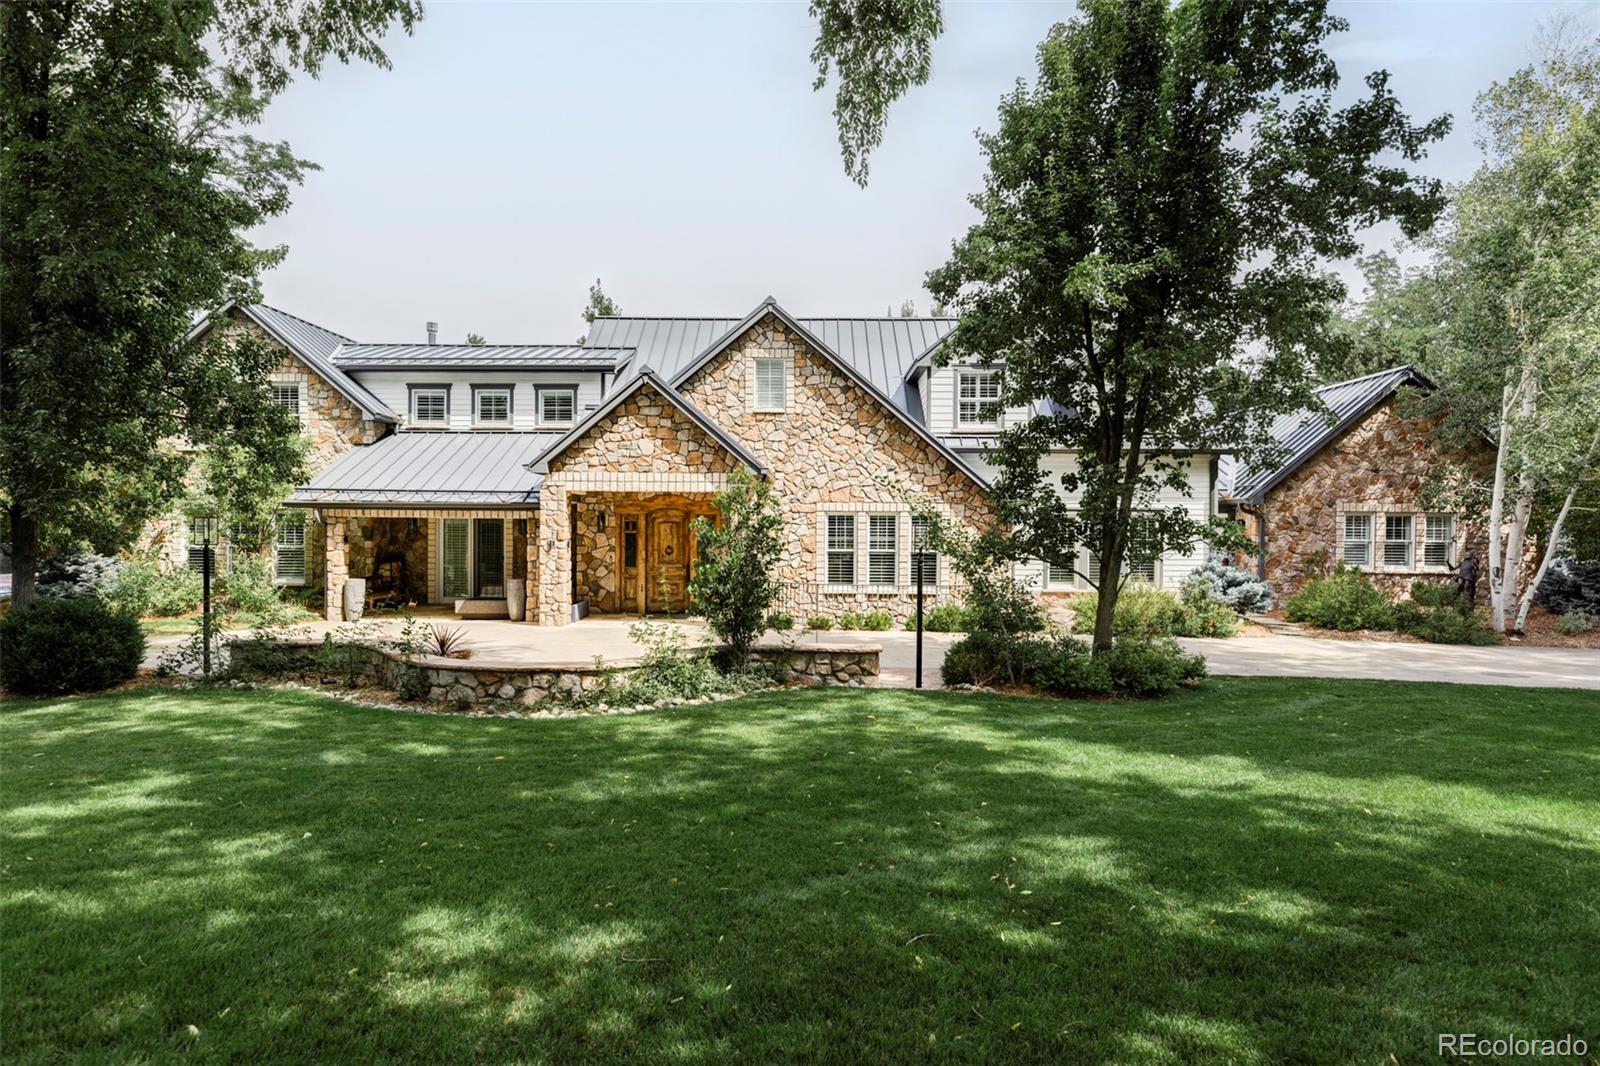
(1260, 871)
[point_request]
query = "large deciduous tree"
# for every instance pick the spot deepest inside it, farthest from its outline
(1516, 272)
(1148, 261)
(129, 187)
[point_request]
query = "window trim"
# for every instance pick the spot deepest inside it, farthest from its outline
(893, 551)
(1409, 541)
(411, 404)
(478, 389)
(538, 405)
(1367, 542)
(277, 551)
(978, 374)
(756, 405)
(299, 387)
(1449, 540)
(848, 552)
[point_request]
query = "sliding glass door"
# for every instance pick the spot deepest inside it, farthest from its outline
(489, 557)
(472, 557)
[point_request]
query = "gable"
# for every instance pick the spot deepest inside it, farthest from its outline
(647, 432)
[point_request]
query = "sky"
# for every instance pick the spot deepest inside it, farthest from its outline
(515, 152)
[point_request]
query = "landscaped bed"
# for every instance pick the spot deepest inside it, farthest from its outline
(1258, 870)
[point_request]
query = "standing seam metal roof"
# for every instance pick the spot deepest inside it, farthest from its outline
(316, 346)
(354, 356)
(432, 468)
(1301, 434)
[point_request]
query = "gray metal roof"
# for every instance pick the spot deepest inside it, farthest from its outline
(1301, 434)
(316, 346)
(647, 376)
(881, 350)
(353, 356)
(432, 469)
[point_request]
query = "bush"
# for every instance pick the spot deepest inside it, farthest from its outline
(877, 621)
(249, 587)
(852, 620)
(1144, 611)
(1344, 599)
(1240, 589)
(76, 644)
(1572, 623)
(1427, 593)
(1443, 624)
(984, 658)
(669, 671)
(144, 589)
(1064, 665)
(1148, 668)
(413, 683)
(734, 584)
(782, 621)
(1570, 585)
(819, 621)
(77, 574)
(941, 618)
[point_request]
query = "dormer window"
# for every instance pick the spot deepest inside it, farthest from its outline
(771, 383)
(286, 394)
(430, 405)
(977, 397)
(491, 406)
(558, 406)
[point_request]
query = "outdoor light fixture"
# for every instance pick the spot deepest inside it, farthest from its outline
(206, 526)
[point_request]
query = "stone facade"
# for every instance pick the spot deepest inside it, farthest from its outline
(1379, 466)
(835, 447)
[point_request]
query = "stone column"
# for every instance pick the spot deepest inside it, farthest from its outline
(336, 567)
(531, 586)
(554, 556)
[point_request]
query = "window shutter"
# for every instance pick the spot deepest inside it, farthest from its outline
(453, 557)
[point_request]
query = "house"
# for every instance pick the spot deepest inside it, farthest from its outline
(1349, 487)
(443, 474)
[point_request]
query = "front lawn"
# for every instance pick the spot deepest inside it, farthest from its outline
(1263, 870)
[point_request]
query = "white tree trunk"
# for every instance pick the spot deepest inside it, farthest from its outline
(1555, 539)
(1522, 510)
(1497, 600)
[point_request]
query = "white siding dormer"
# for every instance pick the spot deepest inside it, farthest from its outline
(942, 386)
(465, 387)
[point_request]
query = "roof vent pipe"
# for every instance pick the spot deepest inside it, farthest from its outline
(433, 333)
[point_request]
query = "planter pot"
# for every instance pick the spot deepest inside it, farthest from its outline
(355, 598)
(516, 597)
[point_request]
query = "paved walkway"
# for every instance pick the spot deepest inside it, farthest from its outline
(494, 642)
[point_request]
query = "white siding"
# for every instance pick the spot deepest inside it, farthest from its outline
(1199, 503)
(390, 386)
(940, 386)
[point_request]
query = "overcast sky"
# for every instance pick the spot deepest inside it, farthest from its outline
(515, 152)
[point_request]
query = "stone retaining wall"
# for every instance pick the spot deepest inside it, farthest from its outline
(489, 684)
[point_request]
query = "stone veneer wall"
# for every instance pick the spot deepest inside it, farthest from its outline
(1381, 465)
(836, 445)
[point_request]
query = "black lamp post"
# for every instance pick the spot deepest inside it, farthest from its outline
(207, 527)
(919, 564)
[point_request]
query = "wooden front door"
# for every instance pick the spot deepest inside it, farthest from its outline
(667, 552)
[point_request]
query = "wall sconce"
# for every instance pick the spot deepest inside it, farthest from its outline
(600, 521)
(411, 527)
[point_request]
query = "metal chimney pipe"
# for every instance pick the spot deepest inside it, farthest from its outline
(433, 333)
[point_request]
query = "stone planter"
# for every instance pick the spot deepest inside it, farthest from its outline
(355, 598)
(516, 597)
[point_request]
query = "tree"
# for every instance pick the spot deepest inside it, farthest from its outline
(129, 186)
(1147, 259)
(1518, 266)
(877, 50)
(1397, 321)
(734, 582)
(476, 340)
(599, 306)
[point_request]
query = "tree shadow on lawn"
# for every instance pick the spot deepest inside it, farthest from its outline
(800, 876)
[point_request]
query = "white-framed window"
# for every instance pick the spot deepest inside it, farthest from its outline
(1438, 538)
(771, 383)
(558, 407)
(455, 579)
(1057, 576)
(1397, 541)
(286, 394)
(841, 548)
(1142, 570)
(1091, 569)
(924, 563)
(491, 405)
(289, 551)
(1357, 550)
(883, 549)
(430, 405)
(977, 397)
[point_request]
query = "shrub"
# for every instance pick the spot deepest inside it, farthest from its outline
(446, 642)
(819, 621)
(781, 621)
(144, 589)
(1427, 593)
(668, 671)
(877, 620)
(1065, 667)
(249, 587)
(1147, 668)
(1572, 623)
(852, 620)
(734, 584)
(77, 574)
(413, 683)
(1570, 585)
(941, 618)
(1345, 599)
(1144, 611)
(984, 658)
(68, 644)
(1240, 589)
(1443, 624)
